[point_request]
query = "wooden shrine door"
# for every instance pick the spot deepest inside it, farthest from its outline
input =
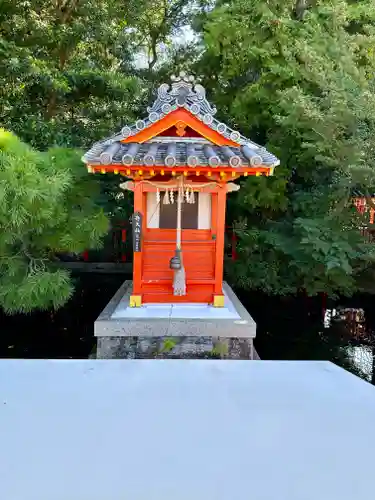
(198, 249)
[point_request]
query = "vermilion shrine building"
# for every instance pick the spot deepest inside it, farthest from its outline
(181, 162)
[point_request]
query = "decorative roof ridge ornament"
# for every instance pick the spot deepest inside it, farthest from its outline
(183, 92)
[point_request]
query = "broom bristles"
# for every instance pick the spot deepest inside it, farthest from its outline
(179, 278)
(179, 282)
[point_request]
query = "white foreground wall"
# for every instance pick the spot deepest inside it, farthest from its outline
(184, 430)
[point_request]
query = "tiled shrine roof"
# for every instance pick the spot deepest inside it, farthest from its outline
(182, 151)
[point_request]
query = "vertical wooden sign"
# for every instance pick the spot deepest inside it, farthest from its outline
(137, 231)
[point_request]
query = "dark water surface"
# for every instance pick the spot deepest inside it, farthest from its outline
(287, 328)
(306, 328)
(66, 333)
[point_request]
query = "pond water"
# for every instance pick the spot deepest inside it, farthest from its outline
(305, 328)
(66, 333)
(287, 328)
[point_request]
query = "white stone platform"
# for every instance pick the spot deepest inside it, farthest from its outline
(202, 430)
(118, 319)
(180, 311)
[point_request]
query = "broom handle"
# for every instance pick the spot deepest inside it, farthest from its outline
(179, 213)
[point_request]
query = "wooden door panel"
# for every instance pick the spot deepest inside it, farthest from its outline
(198, 260)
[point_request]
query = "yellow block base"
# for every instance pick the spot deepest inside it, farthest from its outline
(135, 301)
(218, 300)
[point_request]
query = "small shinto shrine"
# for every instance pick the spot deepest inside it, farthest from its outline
(181, 163)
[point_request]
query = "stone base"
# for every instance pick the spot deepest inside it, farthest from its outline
(174, 348)
(187, 331)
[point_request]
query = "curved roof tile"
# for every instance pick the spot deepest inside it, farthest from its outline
(176, 153)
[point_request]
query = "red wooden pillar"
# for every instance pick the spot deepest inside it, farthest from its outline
(136, 297)
(220, 235)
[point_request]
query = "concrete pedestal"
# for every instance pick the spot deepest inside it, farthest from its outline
(174, 330)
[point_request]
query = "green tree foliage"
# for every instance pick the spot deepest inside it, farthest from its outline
(153, 26)
(160, 40)
(60, 75)
(47, 205)
(297, 76)
(69, 70)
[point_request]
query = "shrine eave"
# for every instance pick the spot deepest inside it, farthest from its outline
(139, 171)
(178, 153)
